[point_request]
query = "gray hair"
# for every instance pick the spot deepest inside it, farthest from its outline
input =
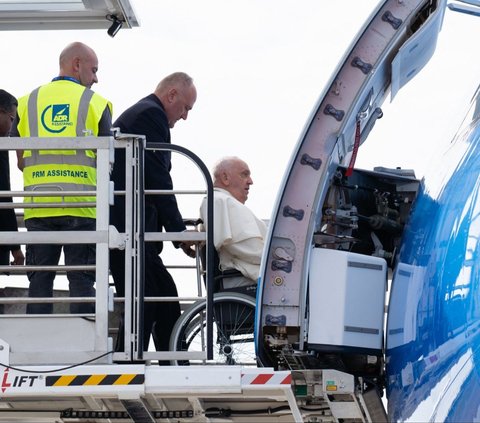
(175, 79)
(223, 165)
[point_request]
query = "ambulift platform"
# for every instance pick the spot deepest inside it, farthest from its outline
(63, 367)
(148, 393)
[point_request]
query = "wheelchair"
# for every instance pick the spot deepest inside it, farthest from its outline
(233, 324)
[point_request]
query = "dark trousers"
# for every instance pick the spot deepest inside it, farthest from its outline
(4, 256)
(159, 318)
(81, 283)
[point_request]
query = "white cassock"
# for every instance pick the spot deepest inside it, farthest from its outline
(239, 235)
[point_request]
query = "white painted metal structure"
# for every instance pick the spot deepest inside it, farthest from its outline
(396, 42)
(64, 14)
(125, 393)
(44, 339)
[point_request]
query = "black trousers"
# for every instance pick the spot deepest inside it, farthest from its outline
(159, 318)
(4, 256)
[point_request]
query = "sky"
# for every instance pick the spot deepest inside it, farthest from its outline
(259, 68)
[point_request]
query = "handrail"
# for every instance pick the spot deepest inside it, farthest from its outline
(209, 232)
(141, 248)
(96, 342)
(106, 237)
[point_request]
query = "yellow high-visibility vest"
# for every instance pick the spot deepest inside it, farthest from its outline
(62, 108)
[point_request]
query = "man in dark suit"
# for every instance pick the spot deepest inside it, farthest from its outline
(153, 116)
(8, 221)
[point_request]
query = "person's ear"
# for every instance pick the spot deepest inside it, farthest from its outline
(171, 94)
(225, 179)
(76, 64)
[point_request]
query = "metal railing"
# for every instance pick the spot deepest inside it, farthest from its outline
(99, 342)
(96, 342)
(136, 237)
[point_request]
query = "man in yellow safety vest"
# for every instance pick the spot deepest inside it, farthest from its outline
(65, 107)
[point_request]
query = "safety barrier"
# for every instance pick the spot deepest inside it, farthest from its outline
(65, 338)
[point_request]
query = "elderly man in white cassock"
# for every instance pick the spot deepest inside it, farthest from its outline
(239, 235)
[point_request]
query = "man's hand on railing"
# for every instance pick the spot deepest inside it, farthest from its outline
(18, 258)
(188, 248)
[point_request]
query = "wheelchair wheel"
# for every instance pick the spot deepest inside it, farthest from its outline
(233, 324)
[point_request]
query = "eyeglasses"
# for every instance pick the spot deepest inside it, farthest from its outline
(12, 118)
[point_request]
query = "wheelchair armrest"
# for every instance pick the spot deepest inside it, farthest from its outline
(192, 222)
(229, 273)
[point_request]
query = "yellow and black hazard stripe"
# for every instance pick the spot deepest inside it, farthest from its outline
(95, 380)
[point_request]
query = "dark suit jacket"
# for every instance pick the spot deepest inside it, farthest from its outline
(8, 221)
(147, 117)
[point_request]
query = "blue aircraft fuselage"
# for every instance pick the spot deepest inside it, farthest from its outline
(433, 337)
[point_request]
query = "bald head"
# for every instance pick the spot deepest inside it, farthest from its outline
(79, 61)
(233, 175)
(178, 95)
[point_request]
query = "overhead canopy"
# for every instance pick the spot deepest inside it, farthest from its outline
(64, 14)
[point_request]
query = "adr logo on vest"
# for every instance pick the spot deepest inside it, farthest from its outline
(56, 117)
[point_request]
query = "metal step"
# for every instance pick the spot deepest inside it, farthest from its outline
(137, 411)
(374, 406)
